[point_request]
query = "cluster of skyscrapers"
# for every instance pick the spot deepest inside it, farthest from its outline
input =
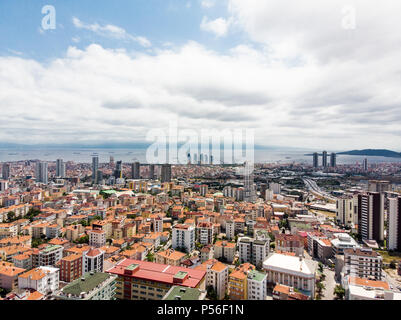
(325, 164)
(97, 174)
(203, 159)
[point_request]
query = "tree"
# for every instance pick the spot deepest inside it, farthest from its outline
(150, 257)
(84, 239)
(211, 293)
(321, 267)
(339, 292)
(11, 216)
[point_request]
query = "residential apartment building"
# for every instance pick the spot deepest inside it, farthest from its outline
(170, 257)
(183, 237)
(290, 243)
(9, 275)
(90, 286)
(204, 233)
(345, 210)
(216, 276)
(257, 285)
(371, 216)
(363, 263)
(238, 282)
(394, 224)
(224, 251)
(42, 279)
(142, 280)
(254, 251)
(93, 260)
(97, 238)
(71, 267)
(48, 256)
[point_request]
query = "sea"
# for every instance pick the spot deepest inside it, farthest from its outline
(84, 155)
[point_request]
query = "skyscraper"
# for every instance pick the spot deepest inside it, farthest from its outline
(60, 168)
(135, 170)
(6, 171)
(365, 164)
(394, 224)
(324, 159)
(118, 172)
(333, 160)
(95, 168)
(371, 216)
(263, 188)
(315, 160)
(41, 172)
(166, 173)
(249, 187)
(152, 171)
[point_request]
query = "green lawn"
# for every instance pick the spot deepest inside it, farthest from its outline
(389, 256)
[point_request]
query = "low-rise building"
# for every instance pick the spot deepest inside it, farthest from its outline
(224, 251)
(90, 286)
(363, 263)
(143, 280)
(42, 279)
(290, 271)
(257, 285)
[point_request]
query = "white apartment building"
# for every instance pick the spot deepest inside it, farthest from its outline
(97, 238)
(230, 229)
(394, 224)
(224, 250)
(254, 251)
(216, 276)
(257, 285)
(42, 279)
(345, 210)
(275, 187)
(363, 263)
(183, 237)
(269, 194)
(204, 232)
(93, 260)
(341, 242)
(363, 289)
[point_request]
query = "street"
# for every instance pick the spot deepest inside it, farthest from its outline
(330, 283)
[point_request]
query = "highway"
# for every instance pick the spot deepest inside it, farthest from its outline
(312, 186)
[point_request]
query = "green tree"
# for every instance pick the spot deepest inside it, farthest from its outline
(11, 216)
(84, 239)
(339, 292)
(150, 257)
(211, 293)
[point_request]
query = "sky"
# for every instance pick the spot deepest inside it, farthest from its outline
(307, 74)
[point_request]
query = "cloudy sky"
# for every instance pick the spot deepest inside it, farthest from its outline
(307, 73)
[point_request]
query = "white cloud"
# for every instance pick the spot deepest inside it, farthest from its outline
(218, 26)
(208, 3)
(111, 31)
(105, 95)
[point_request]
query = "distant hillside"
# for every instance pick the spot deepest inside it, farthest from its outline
(373, 152)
